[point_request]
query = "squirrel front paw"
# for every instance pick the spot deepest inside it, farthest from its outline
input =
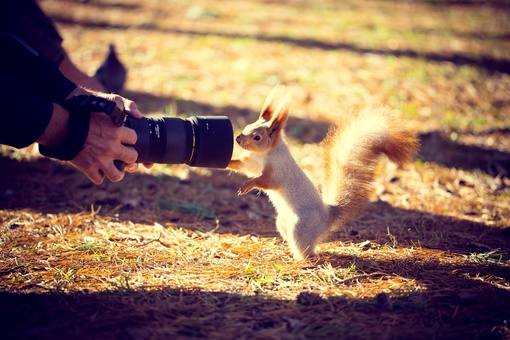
(234, 164)
(245, 188)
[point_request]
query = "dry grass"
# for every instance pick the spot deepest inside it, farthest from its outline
(174, 253)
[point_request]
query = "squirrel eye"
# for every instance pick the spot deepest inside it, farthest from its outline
(256, 138)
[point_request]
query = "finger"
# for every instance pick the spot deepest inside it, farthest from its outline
(127, 136)
(132, 109)
(113, 174)
(125, 104)
(131, 167)
(148, 165)
(97, 176)
(117, 99)
(127, 154)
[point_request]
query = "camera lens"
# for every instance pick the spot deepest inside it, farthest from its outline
(196, 141)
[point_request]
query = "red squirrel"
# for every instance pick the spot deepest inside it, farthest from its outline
(306, 215)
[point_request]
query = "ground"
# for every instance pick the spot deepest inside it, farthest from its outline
(174, 252)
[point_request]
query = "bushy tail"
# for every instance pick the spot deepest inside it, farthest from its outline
(351, 153)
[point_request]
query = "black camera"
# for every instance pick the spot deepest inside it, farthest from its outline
(197, 141)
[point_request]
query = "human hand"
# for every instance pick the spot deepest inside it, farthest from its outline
(107, 142)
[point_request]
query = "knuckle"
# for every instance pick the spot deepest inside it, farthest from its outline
(116, 134)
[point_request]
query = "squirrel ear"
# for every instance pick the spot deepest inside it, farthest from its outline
(278, 100)
(280, 116)
(274, 128)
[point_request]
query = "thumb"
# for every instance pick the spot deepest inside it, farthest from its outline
(132, 109)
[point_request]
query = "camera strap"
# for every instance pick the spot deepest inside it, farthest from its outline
(97, 104)
(79, 121)
(77, 131)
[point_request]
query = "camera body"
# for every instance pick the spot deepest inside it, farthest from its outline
(198, 141)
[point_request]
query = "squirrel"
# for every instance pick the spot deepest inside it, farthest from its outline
(305, 215)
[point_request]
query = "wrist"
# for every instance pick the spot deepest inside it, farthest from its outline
(56, 130)
(79, 91)
(66, 137)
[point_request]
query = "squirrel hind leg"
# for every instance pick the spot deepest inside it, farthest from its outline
(301, 234)
(281, 226)
(300, 255)
(303, 239)
(298, 243)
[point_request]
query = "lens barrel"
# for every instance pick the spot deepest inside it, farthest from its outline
(197, 141)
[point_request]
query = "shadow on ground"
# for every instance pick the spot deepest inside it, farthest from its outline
(470, 310)
(488, 63)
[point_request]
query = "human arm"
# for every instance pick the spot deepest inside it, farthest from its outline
(69, 69)
(31, 86)
(30, 118)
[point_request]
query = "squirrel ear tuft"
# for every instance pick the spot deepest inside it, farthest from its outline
(278, 100)
(279, 116)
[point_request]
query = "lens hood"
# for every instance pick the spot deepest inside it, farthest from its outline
(213, 141)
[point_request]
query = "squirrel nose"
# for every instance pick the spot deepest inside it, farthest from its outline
(238, 139)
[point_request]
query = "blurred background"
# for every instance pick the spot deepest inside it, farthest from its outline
(445, 64)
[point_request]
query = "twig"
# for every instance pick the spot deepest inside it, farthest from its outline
(362, 276)
(150, 241)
